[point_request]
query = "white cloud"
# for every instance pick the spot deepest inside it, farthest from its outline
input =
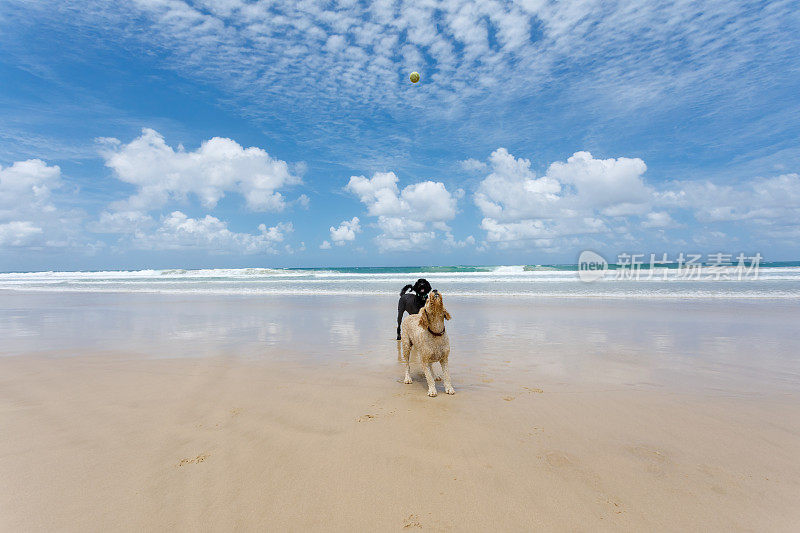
(346, 231)
(514, 231)
(31, 180)
(424, 201)
(658, 219)
(581, 185)
(29, 216)
(161, 173)
(398, 234)
(217, 40)
(303, 201)
(512, 190)
(614, 185)
(379, 193)
(219, 166)
(407, 218)
(451, 241)
(326, 245)
(528, 229)
(18, 233)
(430, 201)
(338, 58)
(585, 195)
(180, 232)
(572, 198)
(761, 200)
(122, 222)
(472, 165)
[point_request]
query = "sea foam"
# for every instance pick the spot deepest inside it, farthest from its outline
(557, 281)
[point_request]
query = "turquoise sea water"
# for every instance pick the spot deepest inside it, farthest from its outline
(771, 280)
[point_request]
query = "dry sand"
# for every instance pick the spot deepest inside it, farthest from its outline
(117, 441)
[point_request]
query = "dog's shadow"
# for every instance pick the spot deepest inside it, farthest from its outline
(417, 374)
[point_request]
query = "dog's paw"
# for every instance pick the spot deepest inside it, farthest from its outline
(432, 393)
(450, 390)
(407, 380)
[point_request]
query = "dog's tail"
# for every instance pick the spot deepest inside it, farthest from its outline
(407, 287)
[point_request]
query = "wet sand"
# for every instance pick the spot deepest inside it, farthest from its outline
(131, 412)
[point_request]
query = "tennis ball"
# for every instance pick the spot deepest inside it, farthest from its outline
(414, 77)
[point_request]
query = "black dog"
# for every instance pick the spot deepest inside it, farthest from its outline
(412, 303)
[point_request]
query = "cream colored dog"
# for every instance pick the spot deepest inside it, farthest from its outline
(426, 331)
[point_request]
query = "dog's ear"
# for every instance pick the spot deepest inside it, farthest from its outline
(423, 319)
(446, 314)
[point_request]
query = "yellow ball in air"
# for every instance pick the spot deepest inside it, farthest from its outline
(414, 77)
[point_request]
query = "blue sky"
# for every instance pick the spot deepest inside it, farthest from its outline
(222, 133)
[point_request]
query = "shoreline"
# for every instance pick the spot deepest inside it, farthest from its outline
(691, 344)
(731, 297)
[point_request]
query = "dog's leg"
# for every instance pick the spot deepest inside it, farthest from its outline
(429, 379)
(406, 347)
(448, 387)
(400, 309)
(438, 375)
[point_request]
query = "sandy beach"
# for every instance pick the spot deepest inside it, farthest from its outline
(226, 224)
(149, 412)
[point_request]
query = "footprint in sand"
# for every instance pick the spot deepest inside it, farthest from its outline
(557, 459)
(197, 460)
(720, 480)
(508, 398)
(412, 520)
(648, 453)
(537, 391)
(365, 418)
(654, 459)
(616, 506)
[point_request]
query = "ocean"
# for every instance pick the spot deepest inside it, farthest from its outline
(770, 280)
